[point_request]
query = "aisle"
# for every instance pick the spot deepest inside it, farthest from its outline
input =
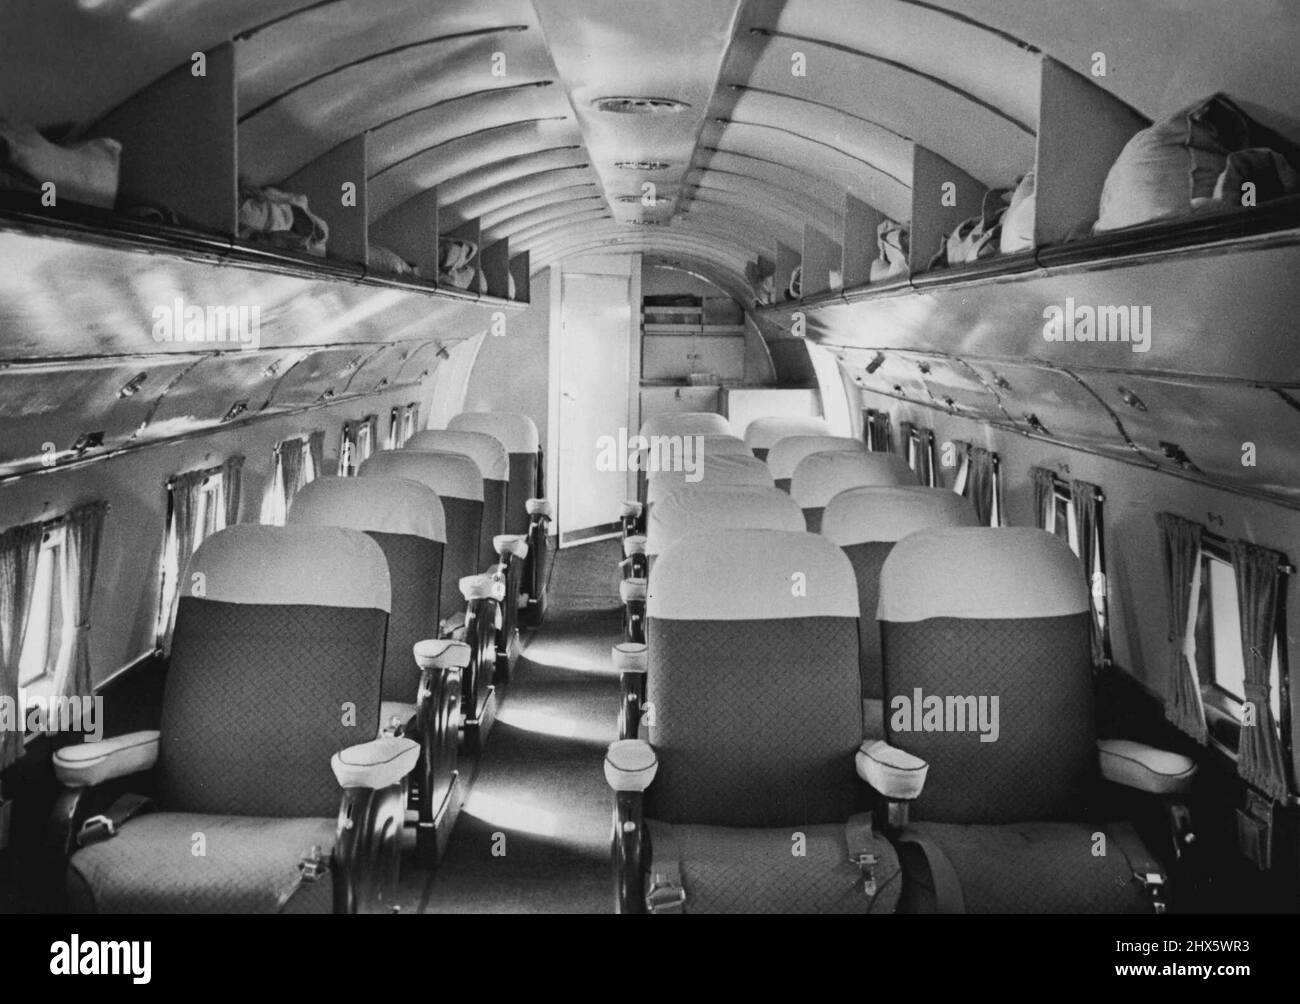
(534, 835)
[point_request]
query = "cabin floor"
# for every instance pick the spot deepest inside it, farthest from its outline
(534, 834)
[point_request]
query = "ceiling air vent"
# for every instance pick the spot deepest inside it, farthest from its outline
(640, 106)
(647, 223)
(631, 200)
(642, 165)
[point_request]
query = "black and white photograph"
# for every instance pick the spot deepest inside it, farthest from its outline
(655, 457)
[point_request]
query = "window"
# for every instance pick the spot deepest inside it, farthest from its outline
(1219, 664)
(394, 429)
(366, 439)
(876, 431)
(207, 516)
(1061, 517)
(979, 478)
(963, 469)
(348, 462)
(43, 639)
(921, 455)
(410, 420)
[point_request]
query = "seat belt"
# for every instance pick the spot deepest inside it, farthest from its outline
(948, 897)
(860, 835)
(1146, 870)
(664, 892)
(106, 824)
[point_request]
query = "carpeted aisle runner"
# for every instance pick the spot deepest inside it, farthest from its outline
(534, 834)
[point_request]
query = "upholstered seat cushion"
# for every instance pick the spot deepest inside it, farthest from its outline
(247, 865)
(727, 870)
(1022, 868)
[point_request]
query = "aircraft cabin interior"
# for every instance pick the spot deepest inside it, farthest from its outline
(578, 457)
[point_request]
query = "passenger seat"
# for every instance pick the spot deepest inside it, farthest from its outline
(763, 433)
(819, 477)
(785, 454)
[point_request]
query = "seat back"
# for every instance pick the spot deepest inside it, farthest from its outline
(988, 673)
(785, 454)
(819, 477)
(763, 433)
(275, 666)
(518, 434)
(406, 520)
(719, 507)
(867, 523)
(753, 678)
(686, 423)
(455, 477)
(709, 470)
(667, 451)
(494, 466)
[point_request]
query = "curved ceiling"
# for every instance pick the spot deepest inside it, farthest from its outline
(778, 107)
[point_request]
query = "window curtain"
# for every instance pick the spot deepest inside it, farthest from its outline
(981, 487)
(373, 422)
(1259, 757)
(394, 429)
(930, 463)
(1181, 539)
(82, 530)
(348, 450)
(232, 487)
(878, 435)
(1086, 499)
(911, 446)
(1044, 482)
(185, 491)
(316, 451)
(287, 476)
(20, 549)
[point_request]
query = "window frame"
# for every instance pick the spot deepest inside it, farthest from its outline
(877, 424)
(1222, 708)
(921, 451)
(53, 540)
(169, 573)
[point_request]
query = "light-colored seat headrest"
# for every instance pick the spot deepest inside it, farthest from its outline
(686, 423)
(724, 507)
(821, 476)
(485, 450)
(516, 432)
(451, 475)
(377, 505)
(785, 454)
(317, 566)
(482, 587)
(980, 573)
(510, 543)
(712, 470)
(441, 653)
(752, 575)
(888, 514)
(764, 433)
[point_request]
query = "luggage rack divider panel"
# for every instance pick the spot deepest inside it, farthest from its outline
(411, 231)
(821, 255)
(495, 262)
(861, 221)
(1082, 128)
(180, 143)
(322, 182)
(787, 260)
(520, 269)
(933, 219)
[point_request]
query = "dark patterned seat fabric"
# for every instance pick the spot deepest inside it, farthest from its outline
(518, 435)
(988, 678)
(274, 667)
(753, 680)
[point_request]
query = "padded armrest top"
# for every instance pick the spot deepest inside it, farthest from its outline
(540, 507)
(82, 765)
(376, 764)
(482, 587)
(634, 544)
(1145, 768)
(510, 543)
(894, 773)
(631, 589)
(630, 508)
(630, 765)
(441, 653)
(630, 657)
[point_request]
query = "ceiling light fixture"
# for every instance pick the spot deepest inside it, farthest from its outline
(639, 106)
(642, 165)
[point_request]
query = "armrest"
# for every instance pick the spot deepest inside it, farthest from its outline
(634, 544)
(482, 587)
(441, 653)
(630, 507)
(82, 765)
(510, 543)
(896, 774)
(540, 507)
(377, 764)
(630, 656)
(449, 626)
(630, 765)
(1145, 768)
(631, 589)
